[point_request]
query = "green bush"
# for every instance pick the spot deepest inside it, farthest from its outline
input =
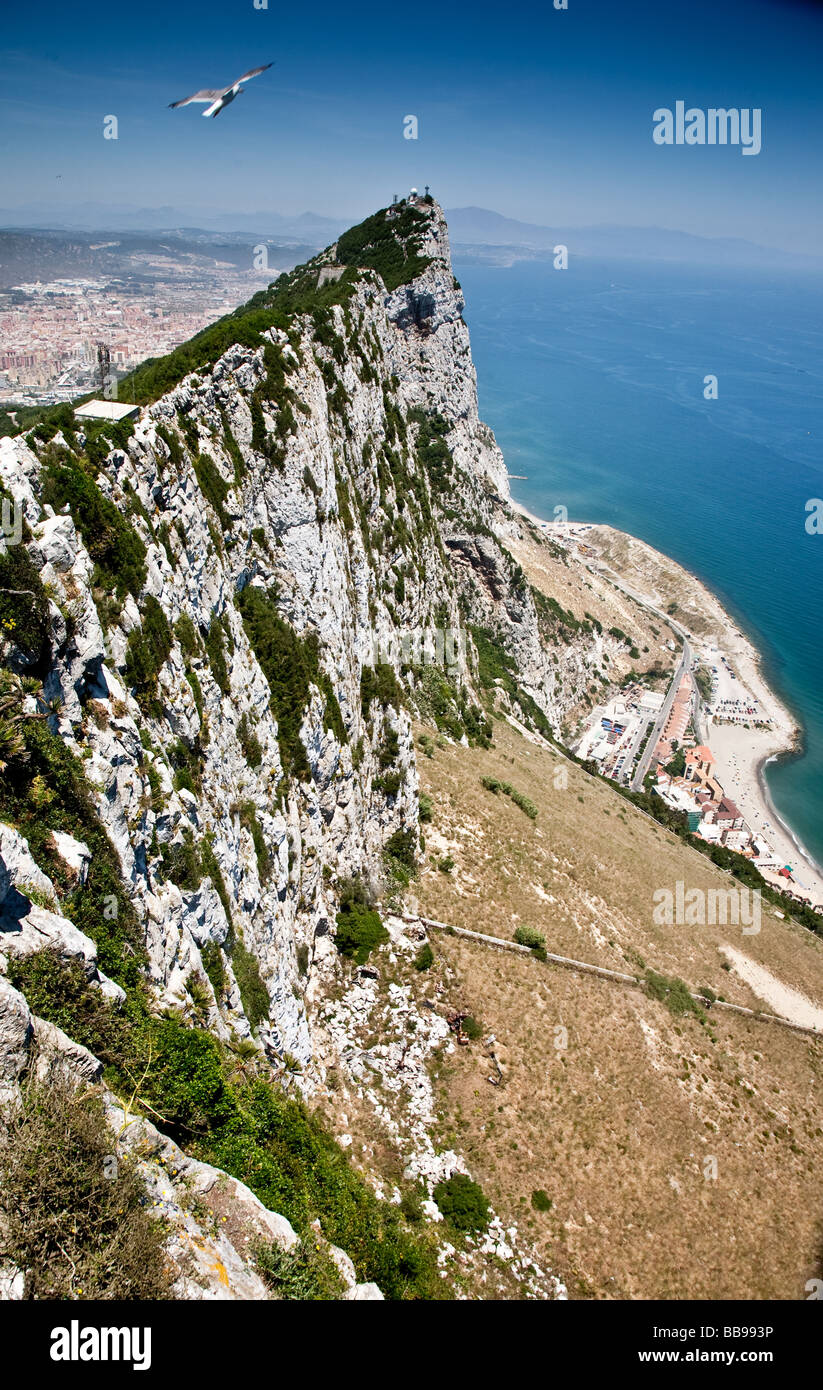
(359, 928)
(389, 749)
(212, 958)
(24, 607)
(186, 634)
(149, 647)
(252, 986)
(187, 1083)
(411, 1205)
(424, 960)
(58, 990)
(434, 456)
(462, 1203)
(248, 818)
(388, 783)
(215, 651)
(213, 486)
(210, 866)
(379, 683)
(249, 742)
(529, 936)
(674, 993)
(233, 449)
(187, 763)
(196, 690)
(254, 995)
(495, 666)
(541, 1201)
(402, 846)
(527, 806)
(182, 863)
(259, 437)
(290, 665)
(306, 1272)
(493, 784)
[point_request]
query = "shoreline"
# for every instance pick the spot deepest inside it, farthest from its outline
(742, 753)
(804, 853)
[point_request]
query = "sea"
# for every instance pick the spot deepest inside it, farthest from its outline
(593, 380)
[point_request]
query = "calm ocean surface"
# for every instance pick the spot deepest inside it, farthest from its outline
(592, 379)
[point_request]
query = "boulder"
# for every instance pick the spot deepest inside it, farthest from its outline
(75, 855)
(17, 867)
(56, 540)
(37, 929)
(363, 1293)
(16, 1033)
(54, 1048)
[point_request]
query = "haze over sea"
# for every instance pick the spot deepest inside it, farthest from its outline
(592, 379)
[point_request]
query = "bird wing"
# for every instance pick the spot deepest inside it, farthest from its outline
(207, 94)
(253, 73)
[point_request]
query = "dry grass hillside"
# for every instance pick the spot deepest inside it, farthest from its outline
(619, 1126)
(564, 579)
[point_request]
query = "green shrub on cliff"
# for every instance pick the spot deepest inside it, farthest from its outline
(291, 665)
(359, 932)
(24, 607)
(148, 649)
(462, 1203)
(117, 550)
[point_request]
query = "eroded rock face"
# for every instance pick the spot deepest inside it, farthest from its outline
(305, 526)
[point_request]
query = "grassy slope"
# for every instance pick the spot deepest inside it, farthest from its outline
(616, 1128)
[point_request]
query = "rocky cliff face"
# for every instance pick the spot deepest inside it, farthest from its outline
(223, 609)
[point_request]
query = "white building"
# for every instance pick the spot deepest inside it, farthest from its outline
(106, 410)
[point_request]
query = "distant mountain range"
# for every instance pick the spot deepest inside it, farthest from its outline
(146, 257)
(476, 233)
(479, 227)
(117, 217)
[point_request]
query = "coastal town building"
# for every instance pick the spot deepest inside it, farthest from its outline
(677, 721)
(699, 763)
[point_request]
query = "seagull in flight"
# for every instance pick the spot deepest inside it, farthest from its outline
(219, 97)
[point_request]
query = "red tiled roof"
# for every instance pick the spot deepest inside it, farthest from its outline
(701, 754)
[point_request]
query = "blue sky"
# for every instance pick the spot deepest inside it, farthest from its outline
(540, 114)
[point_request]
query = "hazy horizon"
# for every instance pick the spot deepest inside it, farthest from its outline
(469, 227)
(547, 116)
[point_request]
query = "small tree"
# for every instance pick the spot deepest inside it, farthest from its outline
(462, 1202)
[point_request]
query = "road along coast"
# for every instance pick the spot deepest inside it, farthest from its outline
(741, 719)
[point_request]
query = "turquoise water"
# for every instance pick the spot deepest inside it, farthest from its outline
(592, 379)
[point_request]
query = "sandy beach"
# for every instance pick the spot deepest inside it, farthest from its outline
(741, 752)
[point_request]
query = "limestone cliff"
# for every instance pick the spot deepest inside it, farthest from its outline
(218, 613)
